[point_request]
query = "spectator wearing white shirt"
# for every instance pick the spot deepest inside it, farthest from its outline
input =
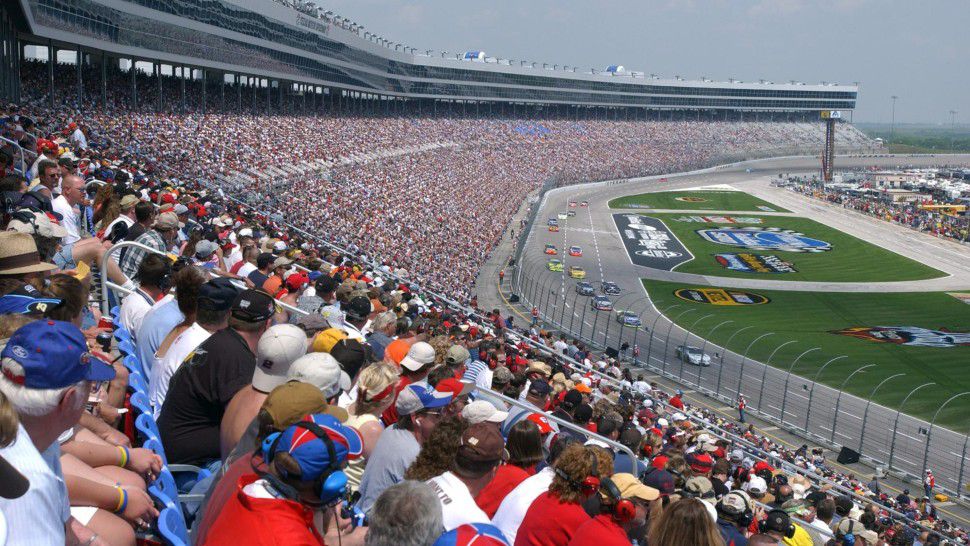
(77, 137)
(72, 195)
(154, 274)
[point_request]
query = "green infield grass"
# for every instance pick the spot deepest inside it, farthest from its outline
(810, 318)
(849, 260)
(722, 200)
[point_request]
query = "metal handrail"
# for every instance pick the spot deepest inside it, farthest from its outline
(21, 155)
(106, 284)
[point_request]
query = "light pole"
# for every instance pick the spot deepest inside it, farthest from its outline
(745, 357)
(899, 410)
(687, 337)
(811, 393)
(764, 373)
(720, 370)
(865, 414)
(892, 123)
(838, 401)
(704, 346)
(653, 329)
(929, 433)
(667, 339)
(953, 117)
(784, 398)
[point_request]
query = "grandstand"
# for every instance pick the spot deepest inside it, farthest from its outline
(382, 173)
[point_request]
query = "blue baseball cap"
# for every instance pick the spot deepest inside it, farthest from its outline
(24, 300)
(420, 396)
(314, 275)
(311, 452)
(53, 355)
(479, 534)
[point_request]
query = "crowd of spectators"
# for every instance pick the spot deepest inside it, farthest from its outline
(363, 390)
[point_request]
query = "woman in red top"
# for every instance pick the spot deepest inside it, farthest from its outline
(554, 516)
(525, 451)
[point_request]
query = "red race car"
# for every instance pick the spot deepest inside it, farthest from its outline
(575, 251)
(551, 250)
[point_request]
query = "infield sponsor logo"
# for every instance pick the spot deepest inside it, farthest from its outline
(765, 208)
(754, 263)
(720, 296)
(910, 336)
(720, 219)
(690, 199)
(757, 238)
(650, 243)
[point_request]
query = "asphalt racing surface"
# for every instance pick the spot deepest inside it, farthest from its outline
(788, 402)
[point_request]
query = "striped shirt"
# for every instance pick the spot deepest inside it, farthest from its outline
(133, 256)
(38, 517)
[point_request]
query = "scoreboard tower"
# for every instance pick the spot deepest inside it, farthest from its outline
(828, 153)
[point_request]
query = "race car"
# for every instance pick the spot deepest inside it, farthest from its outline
(583, 288)
(554, 265)
(551, 250)
(577, 272)
(584, 204)
(601, 303)
(610, 288)
(692, 355)
(552, 222)
(572, 204)
(570, 213)
(575, 251)
(562, 215)
(554, 228)
(626, 318)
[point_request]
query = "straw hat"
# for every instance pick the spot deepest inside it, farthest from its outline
(18, 255)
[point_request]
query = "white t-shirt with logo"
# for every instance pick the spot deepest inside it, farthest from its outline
(165, 367)
(457, 504)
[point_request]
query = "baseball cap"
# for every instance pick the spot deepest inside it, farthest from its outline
(52, 355)
(289, 402)
(661, 480)
(397, 350)
(282, 261)
(455, 387)
(473, 534)
(264, 259)
(129, 201)
(253, 306)
(25, 300)
(481, 411)
(180, 209)
(31, 222)
(699, 486)
(756, 485)
(737, 456)
(699, 462)
(311, 452)
(166, 221)
(326, 284)
(779, 521)
(205, 248)
(13, 484)
(733, 503)
(359, 307)
(482, 443)
(572, 399)
(351, 354)
(539, 387)
(325, 340)
(420, 396)
(545, 427)
(296, 280)
(538, 366)
(246, 232)
(218, 294)
(582, 388)
(501, 375)
(631, 488)
(322, 371)
(420, 354)
(457, 355)
(276, 350)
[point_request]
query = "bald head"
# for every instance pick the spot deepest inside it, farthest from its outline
(72, 188)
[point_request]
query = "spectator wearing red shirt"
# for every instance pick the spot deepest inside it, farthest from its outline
(554, 516)
(277, 506)
(525, 451)
(676, 400)
(414, 367)
(625, 506)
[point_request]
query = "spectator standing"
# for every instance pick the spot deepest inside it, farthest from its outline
(66, 204)
(742, 403)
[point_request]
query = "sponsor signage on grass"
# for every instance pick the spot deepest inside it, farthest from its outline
(650, 243)
(720, 296)
(754, 263)
(911, 336)
(765, 208)
(962, 296)
(757, 238)
(690, 199)
(720, 219)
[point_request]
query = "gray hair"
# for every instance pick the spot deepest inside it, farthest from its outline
(384, 321)
(406, 514)
(28, 401)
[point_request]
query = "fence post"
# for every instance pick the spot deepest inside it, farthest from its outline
(745, 357)
(811, 393)
(784, 398)
(764, 374)
(653, 327)
(865, 414)
(667, 339)
(687, 339)
(838, 401)
(720, 367)
(929, 433)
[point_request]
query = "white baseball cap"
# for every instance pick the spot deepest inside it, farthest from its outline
(276, 350)
(481, 411)
(322, 371)
(420, 354)
(245, 232)
(756, 485)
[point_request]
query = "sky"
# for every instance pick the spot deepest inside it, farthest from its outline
(918, 51)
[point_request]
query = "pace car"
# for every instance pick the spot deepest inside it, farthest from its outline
(562, 216)
(575, 251)
(570, 213)
(583, 288)
(693, 355)
(626, 318)
(552, 222)
(554, 227)
(551, 250)
(577, 272)
(609, 287)
(554, 265)
(601, 303)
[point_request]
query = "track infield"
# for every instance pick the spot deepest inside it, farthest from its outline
(724, 200)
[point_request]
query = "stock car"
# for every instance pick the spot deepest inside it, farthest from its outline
(553, 227)
(583, 288)
(577, 272)
(609, 287)
(562, 215)
(572, 204)
(584, 204)
(575, 251)
(693, 355)
(601, 303)
(570, 213)
(554, 265)
(551, 250)
(626, 318)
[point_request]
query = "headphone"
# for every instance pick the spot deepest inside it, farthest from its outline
(623, 510)
(330, 486)
(789, 531)
(590, 484)
(742, 518)
(847, 538)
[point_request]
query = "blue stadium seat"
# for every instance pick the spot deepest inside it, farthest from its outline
(147, 427)
(115, 313)
(134, 365)
(139, 401)
(122, 335)
(171, 525)
(153, 444)
(127, 348)
(137, 382)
